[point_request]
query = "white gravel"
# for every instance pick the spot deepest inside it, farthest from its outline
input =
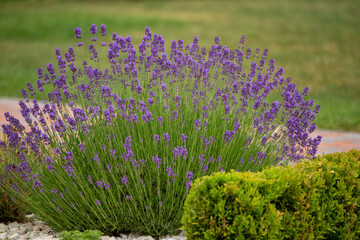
(36, 230)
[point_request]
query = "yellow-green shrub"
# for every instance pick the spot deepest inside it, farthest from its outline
(318, 199)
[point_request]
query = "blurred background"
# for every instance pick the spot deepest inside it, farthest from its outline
(317, 42)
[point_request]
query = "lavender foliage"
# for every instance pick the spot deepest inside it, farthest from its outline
(125, 139)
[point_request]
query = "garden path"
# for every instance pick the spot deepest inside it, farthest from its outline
(332, 141)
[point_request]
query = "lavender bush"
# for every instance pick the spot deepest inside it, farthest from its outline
(121, 137)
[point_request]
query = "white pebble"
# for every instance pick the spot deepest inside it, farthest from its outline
(3, 228)
(3, 236)
(13, 225)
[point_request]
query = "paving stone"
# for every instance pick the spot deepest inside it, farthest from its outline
(105, 237)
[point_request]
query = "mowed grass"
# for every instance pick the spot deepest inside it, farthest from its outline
(317, 42)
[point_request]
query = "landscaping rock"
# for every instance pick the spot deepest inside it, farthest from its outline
(13, 225)
(3, 228)
(28, 226)
(46, 230)
(124, 236)
(3, 236)
(37, 230)
(23, 230)
(145, 238)
(13, 236)
(34, 235)
(134, 235)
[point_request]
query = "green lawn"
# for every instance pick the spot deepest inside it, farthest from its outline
(317, 42)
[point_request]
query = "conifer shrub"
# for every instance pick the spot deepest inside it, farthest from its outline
(317, 199)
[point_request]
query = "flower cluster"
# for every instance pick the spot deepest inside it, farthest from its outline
(129, 138)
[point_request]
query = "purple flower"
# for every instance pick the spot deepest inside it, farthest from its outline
(96, 159)
(93, 29)
(156, 137)
(263, 141)
(176, 152)
(108, 167)
(82, 147)
(260, 156)
(305, 91)
(197, 123)
(229, 136)
(312, 127)
(124, 180)
(36, 184)
(170, 172)
(183, 138)
(103, 30)
(98, 202)
(167, 137)
(160, 120)
(106, 91)
(57, 150)
(113, 153)
(156, 160)
(183, 152)
(201, 158)
(175, 115)
(189, 175)
(177, 99)
(78, 32)
(99, 183)
(188, 184)
(139, 89)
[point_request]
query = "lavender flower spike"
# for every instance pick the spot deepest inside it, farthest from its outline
(78, 32)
